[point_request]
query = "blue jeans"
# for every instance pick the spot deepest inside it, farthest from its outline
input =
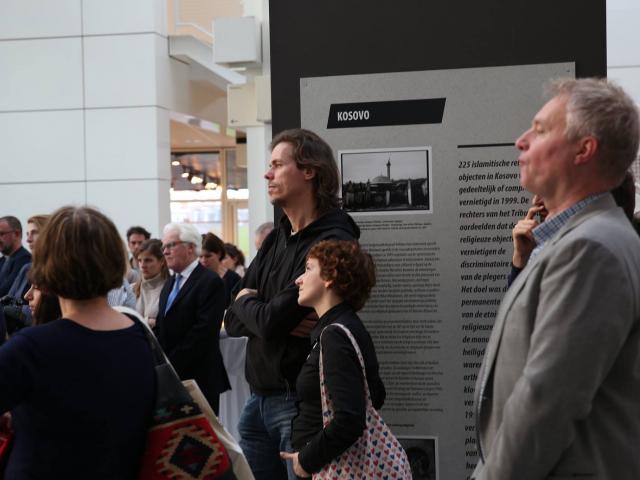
(265, 431)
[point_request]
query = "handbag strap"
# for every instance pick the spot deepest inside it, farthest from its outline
(169, 388)
(159, 356)
(323, 388)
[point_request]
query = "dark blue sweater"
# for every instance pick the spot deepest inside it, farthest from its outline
(81, 401)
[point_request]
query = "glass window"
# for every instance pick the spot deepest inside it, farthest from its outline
(209, 190)
(206, 216)
(242, 228)
(236, 173)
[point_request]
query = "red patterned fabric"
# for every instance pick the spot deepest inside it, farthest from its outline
(184, 449)
(6, 436)
(377, 453)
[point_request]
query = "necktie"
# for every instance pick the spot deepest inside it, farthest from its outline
(6, 267)
(174, 292)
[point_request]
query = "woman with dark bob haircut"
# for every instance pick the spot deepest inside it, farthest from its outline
(44, 307)
(211, 257)
(81, 388)
(337, 281)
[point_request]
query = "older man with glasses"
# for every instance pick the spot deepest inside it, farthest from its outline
(190, 313)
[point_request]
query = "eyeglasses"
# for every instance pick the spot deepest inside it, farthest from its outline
(2, 234)
(171, 245)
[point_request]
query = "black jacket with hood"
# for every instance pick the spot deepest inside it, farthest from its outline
(274, 357)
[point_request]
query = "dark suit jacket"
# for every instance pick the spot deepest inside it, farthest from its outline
(3, 327)
(18, 260)
(189, 332)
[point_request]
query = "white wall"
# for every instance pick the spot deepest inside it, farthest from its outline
(623, 38)
(83, 111)
(623, 56)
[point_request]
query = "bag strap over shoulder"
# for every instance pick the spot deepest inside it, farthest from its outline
(356, 347)
(159, 356)
(169, 388)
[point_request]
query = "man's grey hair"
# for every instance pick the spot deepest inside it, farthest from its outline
(266, 226)
(603, 110)
(187, 233)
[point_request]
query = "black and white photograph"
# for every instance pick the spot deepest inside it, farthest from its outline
(386, 180)
(422, 453)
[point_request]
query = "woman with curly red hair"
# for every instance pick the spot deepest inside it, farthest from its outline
(337, 281)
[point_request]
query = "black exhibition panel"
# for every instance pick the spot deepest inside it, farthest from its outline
(311, 38)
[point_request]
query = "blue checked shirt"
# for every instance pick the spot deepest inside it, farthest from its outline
(547, 229)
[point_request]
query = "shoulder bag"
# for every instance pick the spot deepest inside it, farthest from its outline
(6, 437)
(181, 442)
(377, 453)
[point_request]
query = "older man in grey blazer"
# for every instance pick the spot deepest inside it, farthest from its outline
(558, 393)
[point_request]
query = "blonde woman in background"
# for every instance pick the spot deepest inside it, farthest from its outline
(153, 268)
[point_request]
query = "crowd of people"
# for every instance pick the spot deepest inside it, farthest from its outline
(557, 390)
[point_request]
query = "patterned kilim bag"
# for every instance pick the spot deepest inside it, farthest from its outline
(6, 436)
(377, 453)
(181, 443)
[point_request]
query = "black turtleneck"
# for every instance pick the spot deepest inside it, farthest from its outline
(344, 379)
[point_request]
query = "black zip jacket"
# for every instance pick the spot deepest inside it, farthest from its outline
(274, 357)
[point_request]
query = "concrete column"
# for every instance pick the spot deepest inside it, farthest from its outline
(258, 155)
(259, 138)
